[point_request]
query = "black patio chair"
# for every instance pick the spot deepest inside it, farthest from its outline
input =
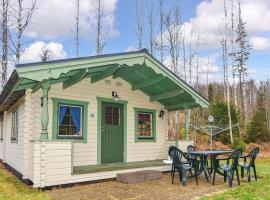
(183, 167)
(230, 166)
(191, 148)
(170, 153)
(252, 155)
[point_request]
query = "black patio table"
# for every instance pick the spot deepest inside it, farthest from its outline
(204, 156)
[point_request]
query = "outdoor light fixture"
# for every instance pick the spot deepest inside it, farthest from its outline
(115, 96)
(161, 113)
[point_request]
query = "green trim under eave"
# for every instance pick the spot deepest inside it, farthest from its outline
(166, 95)
(180, 106)
(147, 83)
(104, 74)
(99, 102)
(154, 123)
(75, 78)
(123, 71)
(84, 104)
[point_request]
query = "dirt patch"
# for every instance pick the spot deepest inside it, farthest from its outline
(152, 189)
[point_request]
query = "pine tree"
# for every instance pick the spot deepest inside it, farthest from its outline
(257, 129)
(242, 56)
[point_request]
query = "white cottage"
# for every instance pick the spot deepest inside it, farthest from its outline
(86, 119)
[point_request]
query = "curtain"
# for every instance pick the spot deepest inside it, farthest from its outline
(62, 112)
(76, 117)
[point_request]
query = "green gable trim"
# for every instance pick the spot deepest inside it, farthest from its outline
(139, 69)
(148, 83)
(104, 74)
(166, 95)
(75, 78)
(56, 102)
(153, 112)
(99, 102)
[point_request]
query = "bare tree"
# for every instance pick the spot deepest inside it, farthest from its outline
(4, 40)
(224, 43)
(197, 73)
(23, 17)
(45, 54)
(100, 35)
(161, 18)
(173, 28)
(184, 57)
(140, 22)
(77, 27)
(232, 48)
(192, 49)
(151, 29)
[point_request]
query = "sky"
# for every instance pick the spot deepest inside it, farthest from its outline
(53, 22)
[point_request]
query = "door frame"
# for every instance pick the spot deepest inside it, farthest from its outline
(101, 100)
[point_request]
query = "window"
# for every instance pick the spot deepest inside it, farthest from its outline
(145, 122)
(14, 126)
(69, 121)
(112, 115)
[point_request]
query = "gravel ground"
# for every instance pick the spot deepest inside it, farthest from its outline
(152, 189)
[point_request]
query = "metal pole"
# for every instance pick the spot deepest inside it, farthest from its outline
(211, 130)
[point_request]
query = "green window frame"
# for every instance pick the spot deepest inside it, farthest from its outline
(14, 126)
(152, 137)
(84, 119)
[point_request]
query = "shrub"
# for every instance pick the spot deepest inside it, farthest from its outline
(239, 143)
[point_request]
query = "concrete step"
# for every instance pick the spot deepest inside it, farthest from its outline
(138, 176)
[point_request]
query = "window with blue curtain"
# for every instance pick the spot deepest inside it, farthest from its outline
(69, 121)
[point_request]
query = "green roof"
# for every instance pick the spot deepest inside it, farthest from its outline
(138, 68)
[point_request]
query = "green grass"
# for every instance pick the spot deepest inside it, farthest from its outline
(250, 191)
(11, 188)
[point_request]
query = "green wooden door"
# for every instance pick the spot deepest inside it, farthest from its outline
(112, 133)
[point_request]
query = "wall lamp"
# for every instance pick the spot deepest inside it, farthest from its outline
(115, 96)
(161, 113)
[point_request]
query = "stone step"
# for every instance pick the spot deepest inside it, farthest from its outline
(138, 176)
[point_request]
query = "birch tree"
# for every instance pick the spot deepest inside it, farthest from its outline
(23, 17)
(151, 29)
(173, 29)
(77, 34)
(140, 22)
(4, 40)
(100, 34)
(232, 48)
(161, 24)
(224, 43)
(192, 49)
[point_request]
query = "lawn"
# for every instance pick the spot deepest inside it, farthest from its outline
(12, 189)
(249, 191)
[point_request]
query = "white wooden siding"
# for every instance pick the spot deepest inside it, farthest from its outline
(14, 150)
(86, 154)
(58, 169)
